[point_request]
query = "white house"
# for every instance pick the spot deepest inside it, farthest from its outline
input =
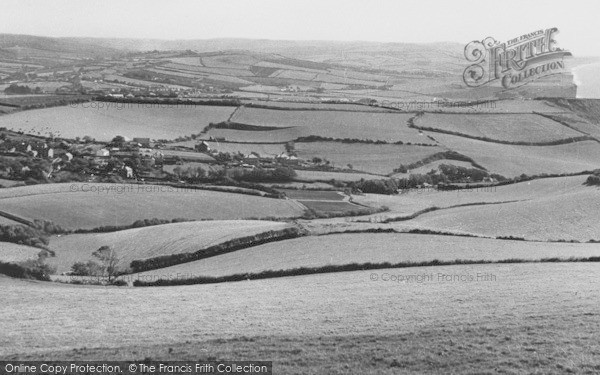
(103, 152)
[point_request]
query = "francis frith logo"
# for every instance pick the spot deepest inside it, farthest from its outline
(516, 62)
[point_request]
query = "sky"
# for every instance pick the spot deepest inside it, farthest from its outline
(379, 20)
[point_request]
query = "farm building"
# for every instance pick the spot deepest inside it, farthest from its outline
(143, 142)
(202, 147)
(103, 152)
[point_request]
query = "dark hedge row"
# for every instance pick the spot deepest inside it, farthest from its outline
(225, 247)
(344, 268)
(32, 269)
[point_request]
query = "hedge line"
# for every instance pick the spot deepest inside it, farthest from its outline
(514, 143)
(345, 268)
(222, 248)
(34, 269)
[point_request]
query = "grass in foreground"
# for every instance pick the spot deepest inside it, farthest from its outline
(529, 320)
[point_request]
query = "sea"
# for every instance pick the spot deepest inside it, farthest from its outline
(587, 79)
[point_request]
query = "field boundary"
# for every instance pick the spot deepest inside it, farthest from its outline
(303, 271)
(557, 142)
(222, 248)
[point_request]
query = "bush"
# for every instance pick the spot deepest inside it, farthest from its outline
(594, 178)
(23, 235)
(31, 269)
(89, 268)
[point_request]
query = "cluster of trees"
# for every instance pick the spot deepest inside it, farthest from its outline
(23, 235)
(136, 224)
(21, 90)
(29, 170)
(447, 174)
(107, 265)
(199, 174)
(30, 269)
(449, 155)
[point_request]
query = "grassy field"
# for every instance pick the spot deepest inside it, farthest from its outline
(433, 165)
(148, 242)
(512, 128)
(10, 252)
(314, 194)
(414, 200)
(303, 175)
(379, 159)
(80, 205)
(339, 249)
(511, 161)
(389, 127)
(129, 120)
(527, 319)
(566, 216)
(338, 207)
(234, 135)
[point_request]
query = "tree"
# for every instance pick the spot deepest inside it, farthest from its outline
(110, 261)
(118, 141)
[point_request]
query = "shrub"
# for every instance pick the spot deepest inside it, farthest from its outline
(594, 178)
(30, 269)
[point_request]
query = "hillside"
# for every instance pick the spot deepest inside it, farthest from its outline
(148, 242)
(340, 249)
(567, 216)
(514, 160)
(412, 201)
(310, 318)
(10, 252)
(87, 206)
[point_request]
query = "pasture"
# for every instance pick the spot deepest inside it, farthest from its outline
(420, 328)
(12, 253)
(388, 127)
(512, 160)
(410, 201)
(103, 121)
(87, 206)
(331, 207)
(567, 216)
(149, 242)
(509, 128)
(304, 175)
(346, 248)
(326, 195)
(371, 158)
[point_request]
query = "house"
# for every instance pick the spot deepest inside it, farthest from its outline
(143, 142)
(67, 157)
(103, 153)
(251, 159)
(50, 153)
(128, 172)
(202, 147)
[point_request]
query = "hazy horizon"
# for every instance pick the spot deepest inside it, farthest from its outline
(429, 21)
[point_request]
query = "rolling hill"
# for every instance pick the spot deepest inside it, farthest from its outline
(87, 206)
(514, 160)
(340, 249)
(148, 242)
(11, 253)
(312, 317)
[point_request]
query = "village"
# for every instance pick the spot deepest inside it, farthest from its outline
(35, 159)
